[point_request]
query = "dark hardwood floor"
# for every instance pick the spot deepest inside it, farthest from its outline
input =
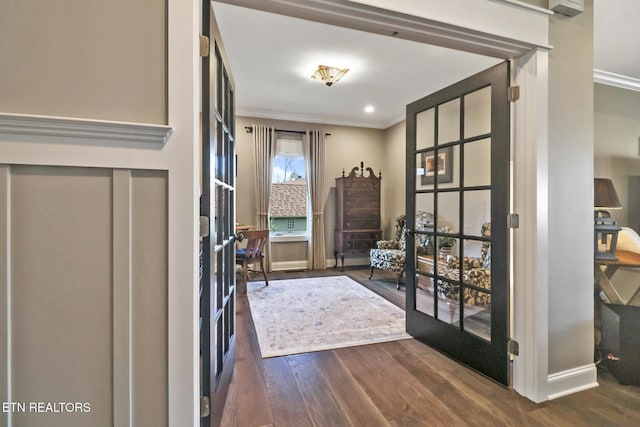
(402, 383)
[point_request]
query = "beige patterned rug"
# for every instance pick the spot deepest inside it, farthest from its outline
(322, 313)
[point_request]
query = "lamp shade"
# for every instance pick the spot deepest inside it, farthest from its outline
(604, 194)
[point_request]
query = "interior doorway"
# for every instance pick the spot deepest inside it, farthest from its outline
(493, 45)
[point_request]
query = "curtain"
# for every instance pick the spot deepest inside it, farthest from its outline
(264, 149)
(314, 155)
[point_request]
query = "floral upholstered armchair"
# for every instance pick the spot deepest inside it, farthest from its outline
(391, 255)
(476, 271)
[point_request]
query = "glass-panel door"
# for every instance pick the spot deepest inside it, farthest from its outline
(217, 279)
(457, 266)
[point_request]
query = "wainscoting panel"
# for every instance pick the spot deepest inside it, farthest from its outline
(85, 318)
(149, 298)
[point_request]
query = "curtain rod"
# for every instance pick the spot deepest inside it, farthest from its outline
(249, 129)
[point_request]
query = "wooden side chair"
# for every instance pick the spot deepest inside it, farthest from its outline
(253, 253)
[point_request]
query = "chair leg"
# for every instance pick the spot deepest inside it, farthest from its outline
(266, 281)
(398, 280)
(245, 275)
(371, 275)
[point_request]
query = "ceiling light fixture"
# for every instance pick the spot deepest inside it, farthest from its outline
(369, 109)
(329, 75)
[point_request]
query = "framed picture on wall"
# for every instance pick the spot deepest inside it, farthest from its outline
(442, 166)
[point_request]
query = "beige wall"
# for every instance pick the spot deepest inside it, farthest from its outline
(617, 141)
(84, 58)
(394, 177)
(345, 148)
(570, 193)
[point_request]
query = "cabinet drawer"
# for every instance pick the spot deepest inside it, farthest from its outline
(361, 212)
(372, 203)
(359, 193)
(360, 224)
(361, 184)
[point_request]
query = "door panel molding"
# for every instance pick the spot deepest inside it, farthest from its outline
(83, 129)
(86, 292)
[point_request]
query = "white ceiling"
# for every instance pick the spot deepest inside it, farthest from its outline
(616, 40)
(272, 58)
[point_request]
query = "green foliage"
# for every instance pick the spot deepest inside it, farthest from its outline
(445, 241)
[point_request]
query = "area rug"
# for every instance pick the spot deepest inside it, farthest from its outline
(304, 315)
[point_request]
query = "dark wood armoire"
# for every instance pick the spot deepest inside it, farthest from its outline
(357, 213)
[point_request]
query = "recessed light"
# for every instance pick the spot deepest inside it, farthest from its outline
(369, 109)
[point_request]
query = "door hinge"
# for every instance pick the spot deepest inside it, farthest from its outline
(513, 220)
(513, 94)
(204, 226)
(204, 407)
(513, 348)
(204, 46)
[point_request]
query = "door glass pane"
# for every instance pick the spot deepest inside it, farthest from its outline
(448, 299)
(477, 313)
(477, 211)
(449, 212)
(425, 129)
(449, 121)
(477, 112)
(447, 248)
(425, 175)
(477, 163)
(424, 284)
(424, 202)
(448, 167)
(472, 248)
(219, 278)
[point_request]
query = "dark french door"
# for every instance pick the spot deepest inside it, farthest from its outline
(458, 169)
(217, 204)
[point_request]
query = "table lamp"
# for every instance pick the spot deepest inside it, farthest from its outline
(606, 228)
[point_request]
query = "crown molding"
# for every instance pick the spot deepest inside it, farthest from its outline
(306, 118)
(415, 28)
(617, 80)
(24, 124)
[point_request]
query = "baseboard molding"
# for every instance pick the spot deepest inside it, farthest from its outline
(290, 265)
(572, 381)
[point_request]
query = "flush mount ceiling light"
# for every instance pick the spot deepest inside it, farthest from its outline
(329, 75)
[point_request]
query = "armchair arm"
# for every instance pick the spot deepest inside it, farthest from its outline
(387, 244)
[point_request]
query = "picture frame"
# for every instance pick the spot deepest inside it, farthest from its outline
(444, 165)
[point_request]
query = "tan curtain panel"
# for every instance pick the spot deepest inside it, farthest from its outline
(264, 149)
(314, 147)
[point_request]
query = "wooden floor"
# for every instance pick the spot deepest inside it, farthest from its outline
(402, 383)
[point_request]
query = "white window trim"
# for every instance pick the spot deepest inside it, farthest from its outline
(279, 237)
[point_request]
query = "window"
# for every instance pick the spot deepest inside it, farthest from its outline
(289, 192)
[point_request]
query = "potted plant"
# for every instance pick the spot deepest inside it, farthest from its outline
(445, 243)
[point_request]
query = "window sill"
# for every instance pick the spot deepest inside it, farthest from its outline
(285, 237)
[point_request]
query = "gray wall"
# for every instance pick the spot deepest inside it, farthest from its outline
(617, 144)
(617, 156)
(84, 58)
(571, 191)
(87, 256)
